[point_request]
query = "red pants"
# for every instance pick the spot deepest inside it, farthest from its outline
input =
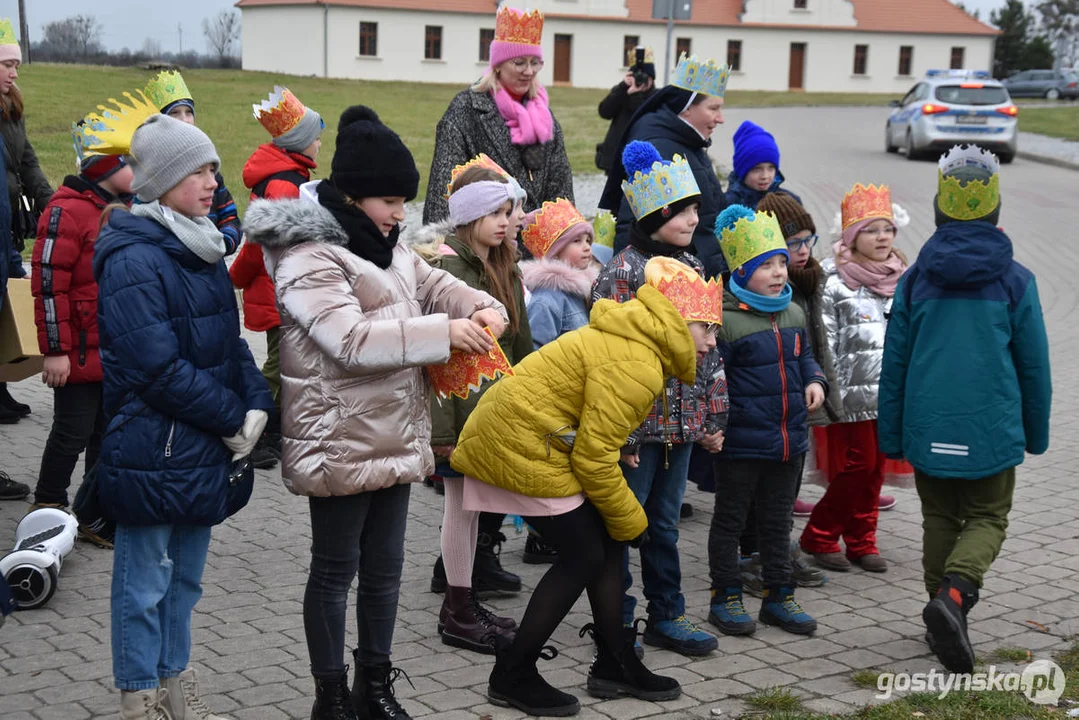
(851, 456)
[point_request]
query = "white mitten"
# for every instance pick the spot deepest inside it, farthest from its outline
(254, 423)
(234, 443)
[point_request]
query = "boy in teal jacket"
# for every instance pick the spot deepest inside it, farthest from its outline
(964, 304)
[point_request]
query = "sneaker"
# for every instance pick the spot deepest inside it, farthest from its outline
(729, 614)
(11, 490)
(886, 502)
(802, 573)
(537, 552)
(679, 635)
(750, 571)
(803, 508)
(783, 611)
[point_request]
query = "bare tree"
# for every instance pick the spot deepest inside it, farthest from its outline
(74, 38)
(221, 31)
(151, 48)
(975, 13)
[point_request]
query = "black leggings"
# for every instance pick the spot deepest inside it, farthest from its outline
(588, 559)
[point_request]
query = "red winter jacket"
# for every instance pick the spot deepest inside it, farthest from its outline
(62, 277)
(248, 271)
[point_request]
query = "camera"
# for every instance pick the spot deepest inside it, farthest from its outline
(640, 75)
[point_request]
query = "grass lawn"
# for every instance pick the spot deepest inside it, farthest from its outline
(1061, 122)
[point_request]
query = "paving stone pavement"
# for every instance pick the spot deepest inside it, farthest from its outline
(248, 636)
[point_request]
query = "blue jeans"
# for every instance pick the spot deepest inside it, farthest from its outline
(660, 492)
(156, 582)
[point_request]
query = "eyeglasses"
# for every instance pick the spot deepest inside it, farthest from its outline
(809, 242)
(522, 64)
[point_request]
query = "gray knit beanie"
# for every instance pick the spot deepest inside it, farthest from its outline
(300, 137)
(163, 152)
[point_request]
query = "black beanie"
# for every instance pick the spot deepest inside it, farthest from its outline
(655, 220)
(370, 160)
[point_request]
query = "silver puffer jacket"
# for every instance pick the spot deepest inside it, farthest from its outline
(854, 323)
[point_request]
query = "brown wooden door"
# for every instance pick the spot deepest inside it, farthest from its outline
(796, 79)
(563, 52)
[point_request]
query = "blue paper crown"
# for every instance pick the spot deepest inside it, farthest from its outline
(85, 134)
(653, 183)
(704, 77)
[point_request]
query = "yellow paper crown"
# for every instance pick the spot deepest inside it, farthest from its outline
(281, 112)
(751, 237)
(113, 128)
(665, 183)
(704, 77)
(864, 202)
(84, 135)
(631, 56)
(167, 88)
(695, 299)
(603, 229)
(549, 223)
(977, 198)
(516, 26)
(7, 33)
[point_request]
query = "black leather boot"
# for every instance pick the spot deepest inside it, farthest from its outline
(332, 701)
(438, 577)
(618, 671)
(488, 576)
(515, 682)
(372, 693)
(9, 403)
(945, 619)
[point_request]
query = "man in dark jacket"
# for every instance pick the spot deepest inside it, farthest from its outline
(621, 104)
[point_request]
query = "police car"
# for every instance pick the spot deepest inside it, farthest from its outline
(951, 107)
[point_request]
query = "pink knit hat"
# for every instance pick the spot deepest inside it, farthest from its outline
(517, 34)
(9, 46)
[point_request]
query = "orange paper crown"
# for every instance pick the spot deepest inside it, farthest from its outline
(517, 26)
(695, 299)
(281, 112)
(551, 220)
(864, 202)
(480, 160)
(464, 373)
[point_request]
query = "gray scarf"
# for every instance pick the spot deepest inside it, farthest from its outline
(199, 235)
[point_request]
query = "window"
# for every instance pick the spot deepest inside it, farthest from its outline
(629, 44)
(432, 42)
(487, 36)
(959, 95)
(734, 54)
(683, 45)
(861, 54)
(798, 5)
(957, 58)
(906, 55)
(369, 38)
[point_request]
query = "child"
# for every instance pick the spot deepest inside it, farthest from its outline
(169, 93)
(773, 382)
(858, 287)
(664, 197)
(65, 308)
(274, 171)
(964, 304)
(756, 166)
(183, 395)
(545, 442)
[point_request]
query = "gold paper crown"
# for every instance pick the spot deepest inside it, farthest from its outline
(7, 33)
(976, 199)
(481, 160)
(706, 78)
(464, 373)
(865, 202)
(665, 183)
(166, 88)
(603, 229)
(549, 223)
(113, 128)
(517, 26)
(631, 56)
(281, 112)
(695, 299)
(751, 238)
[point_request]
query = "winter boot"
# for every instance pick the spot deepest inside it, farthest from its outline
(438, 577)
(782, 610)
(515, 682)
(618, 671)
(488, 577)
(680, 635)
(372, 693)
(143, 705)
(332, 700)
(945, 618)
(462, 626)
(729, 614)
(9, 403)
(182, 699)
(537, 552)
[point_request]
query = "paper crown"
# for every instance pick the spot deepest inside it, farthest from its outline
(977, 198)
(706, 78)
(113, 128)
(603, 229)
(481, 160)
(464, 373)
(520, 27)
(7, 32)
(550, 222)
(864, 202)
(745, 234)
(281, 112)
(651, 182)
(695, 299)
(631, 56)
(166, 88)
(84, 135)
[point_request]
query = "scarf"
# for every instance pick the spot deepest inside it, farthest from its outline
(806, 279)
(763, 303)
(878, 277)
(651, 248)
(529, 123)
(199, 235)
(365, 240)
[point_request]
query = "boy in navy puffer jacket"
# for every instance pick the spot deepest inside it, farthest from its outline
(756, 167)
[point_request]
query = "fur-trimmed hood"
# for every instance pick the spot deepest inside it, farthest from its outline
(551, 274)
(280, 224)
(427, 240)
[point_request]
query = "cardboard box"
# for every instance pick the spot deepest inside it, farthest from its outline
(19, 354)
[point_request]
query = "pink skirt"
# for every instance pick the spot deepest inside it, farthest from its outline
(481, 497)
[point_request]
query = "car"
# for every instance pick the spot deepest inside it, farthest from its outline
(1049, 84)
(953, 107)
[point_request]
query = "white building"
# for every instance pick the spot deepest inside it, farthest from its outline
(811, 45)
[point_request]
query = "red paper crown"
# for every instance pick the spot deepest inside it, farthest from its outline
(464, 373)
(284, 115)
(551, 220)
(516, 26)
(866, 202)
(695, 299)
(480, 160)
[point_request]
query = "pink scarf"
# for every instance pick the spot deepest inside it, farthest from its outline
(529, 124)
(879, 277)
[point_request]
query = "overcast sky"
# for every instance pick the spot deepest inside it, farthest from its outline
(130, 22)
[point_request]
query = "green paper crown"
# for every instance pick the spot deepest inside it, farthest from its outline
(751, 238)
(166, 88)
(7, 33)
(603, 226)
(665, 183)
(706, 78)
(976, 199)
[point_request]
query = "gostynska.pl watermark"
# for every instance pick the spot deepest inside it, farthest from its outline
(1042, 681)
